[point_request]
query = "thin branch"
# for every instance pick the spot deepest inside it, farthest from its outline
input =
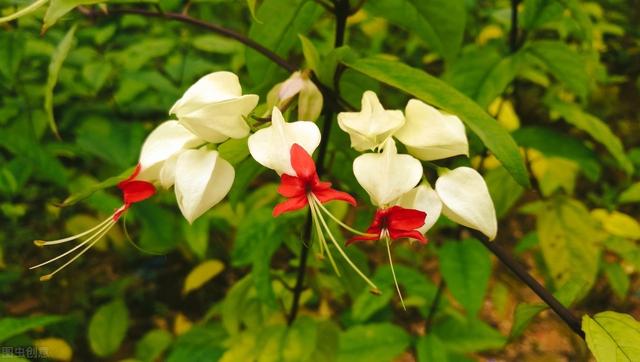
(211, 27)
(564, 313)
(513, 34)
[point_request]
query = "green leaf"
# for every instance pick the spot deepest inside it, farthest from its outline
(565, 64)
(251, 4)
(197, 236)
(569, 241)
(55, 65)
(281, 22)
(483, 73)
(465, 336)
(524, 314)
(200, 343)
(372, 342)
(630, 195)
(555, 144)
(466, 267)
(234, 150)
(435, 92)
(504, 190)
(539, 12)
(11, 54)
(440, 23)
(108, 327)
(595, 127)
(310, 53)
(618, 279)
(10, 327)
(24, 11)
(612, 337)
(58, 8)
(431, 349)
(201, 274)
(152, 345)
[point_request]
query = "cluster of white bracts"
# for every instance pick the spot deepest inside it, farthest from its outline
(176, 154)
(391, 178)
(211, 111)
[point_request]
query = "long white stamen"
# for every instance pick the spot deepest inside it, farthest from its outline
(73, 237)
(338, 221)
(315, 216)
(393, 272)
(98, 234)
(374, 288)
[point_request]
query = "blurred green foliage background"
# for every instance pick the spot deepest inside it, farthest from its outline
(567, 89)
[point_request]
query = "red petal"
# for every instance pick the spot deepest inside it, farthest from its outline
(302, 163)
(136, 191)
(400, 218)
(332, 194)
(359, 238)
(292, 204)
(291, 186)
(135, 173)
(413, 234)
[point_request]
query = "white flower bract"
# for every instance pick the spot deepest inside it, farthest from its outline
(271, 146)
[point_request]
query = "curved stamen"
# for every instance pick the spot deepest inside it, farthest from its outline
(104, 228)
(73, 237)
(100, 235)
(374, 288)
(393, 272)
(318, 203)
(322, 241)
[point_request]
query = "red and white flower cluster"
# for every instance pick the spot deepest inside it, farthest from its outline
(181, 153)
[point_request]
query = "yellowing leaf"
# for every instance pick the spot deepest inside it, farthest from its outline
(612, 337)
(489, 32)
(54, 348)
(202, 274)
(569, 239)
(181, 325)
(618, 224)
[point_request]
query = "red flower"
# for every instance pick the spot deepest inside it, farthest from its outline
(398, 222)
(133, 191)
(297, 189)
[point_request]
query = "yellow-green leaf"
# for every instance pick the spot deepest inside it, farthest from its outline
(24, 11)
(58, 8)
(632, 194)
(201, 274)
(55, 65)
(612, 337)
(618, 224)
(569, 240)
(54, 348)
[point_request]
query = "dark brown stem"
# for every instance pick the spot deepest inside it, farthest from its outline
(565, 314)
(513, 34)
(341, 13)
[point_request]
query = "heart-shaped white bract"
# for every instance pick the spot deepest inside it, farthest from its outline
(214, 108)
(202, 179)
(165, 141)
(466, 200)
(423, 198)
(271, 146)
(430, 134)
(370, 127)
(386, 176)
